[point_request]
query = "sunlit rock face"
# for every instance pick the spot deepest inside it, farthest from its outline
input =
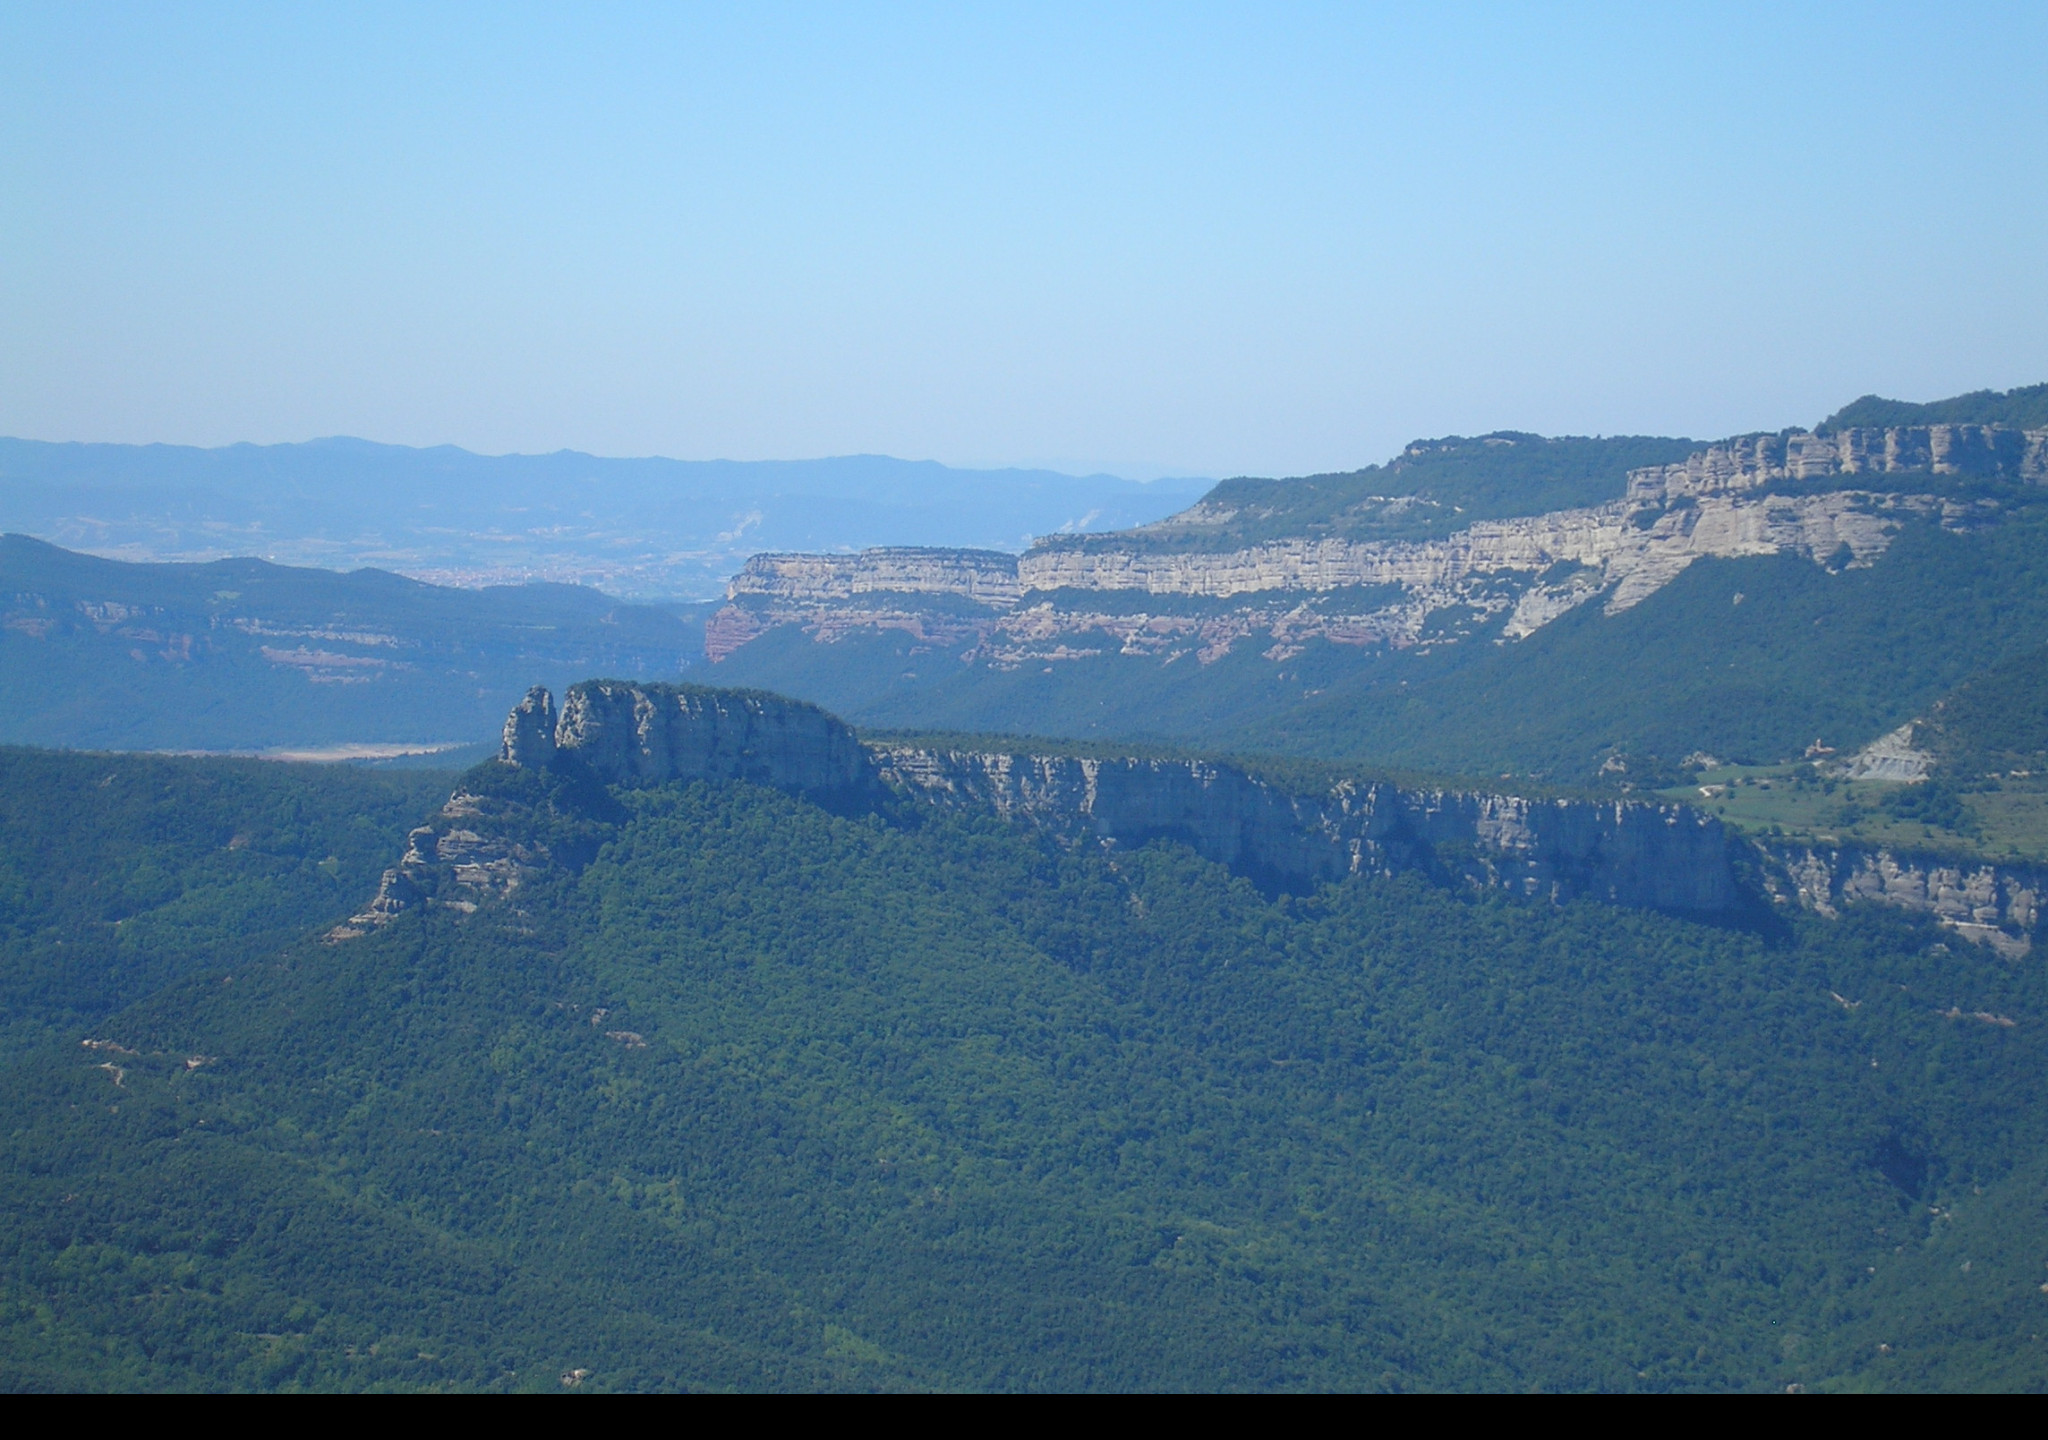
(1506, 578)
(1994, 905)
(1750, 461)
(1626, 551)
(1285, 837)
(530, 730)
(984, 575)
(651, 734)
(473, 851)
(1624, 852)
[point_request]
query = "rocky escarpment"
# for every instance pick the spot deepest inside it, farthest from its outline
(542, 804)
(517, 815)
(988, 576)
(630, 734)
(1624, 852)
(476, 848)
(1627, 551)
(1750, 461)
(1993, 904)
(1510, 576)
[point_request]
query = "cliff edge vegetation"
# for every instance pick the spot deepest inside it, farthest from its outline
(760, 1095)
(2025, 408)
(1746, 599)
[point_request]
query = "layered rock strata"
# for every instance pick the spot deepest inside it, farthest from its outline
(1520, 573)
(1621, 542)
(1995, 905)
(1750, 461)
(1621, 852)
(474, 849)
(988, 576)
(1510, 577)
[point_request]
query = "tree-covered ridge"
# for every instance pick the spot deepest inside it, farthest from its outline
(1995, 722)
(243, 654)
(1434, 487)
(766, 1097)
(2025, 407)
(120, 874)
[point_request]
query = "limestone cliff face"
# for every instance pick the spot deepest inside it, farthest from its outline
(1508, 577)
(1749, 461)
(1995, 905)
(988, 576)
(481, 848)
(1293, 591)
(1634, 549)
(649, 734)
(1623, 852)
(530, 730)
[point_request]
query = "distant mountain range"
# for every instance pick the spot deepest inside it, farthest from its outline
(637, 528)
(1573, 610)
(246, 655)
(697, 1040)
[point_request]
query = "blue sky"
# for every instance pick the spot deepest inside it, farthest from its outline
(1204, 240)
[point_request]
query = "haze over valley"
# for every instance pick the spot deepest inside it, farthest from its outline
(649, 529)
(1486, 830)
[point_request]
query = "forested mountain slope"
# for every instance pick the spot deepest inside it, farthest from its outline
(1752, 658)
(242, 654)
(120, 874)
(1432, 488)
(768, 1096)
(1746, 598)
(2024, 408)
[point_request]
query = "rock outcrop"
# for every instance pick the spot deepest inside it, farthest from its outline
(1751, 461)
(481, 846)
(1624, 852)
(485, 844)
(986, 576)
(1992, 904)
(530, 730)
(474, 849)
(632, 734)
(1508, 577)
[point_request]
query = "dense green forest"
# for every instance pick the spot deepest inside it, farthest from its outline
(2025, 406)
(732, 1091)
(120, 874)
(1996, 721)
(767, 1097)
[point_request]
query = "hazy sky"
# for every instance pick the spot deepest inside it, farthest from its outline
(1200, 240)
